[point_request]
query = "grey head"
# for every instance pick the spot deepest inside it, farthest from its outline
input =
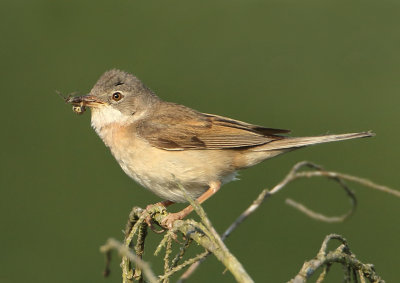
(123, 92)
(117, 97)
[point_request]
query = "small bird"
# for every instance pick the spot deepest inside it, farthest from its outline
(162, 145)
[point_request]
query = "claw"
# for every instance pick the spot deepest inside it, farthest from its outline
(149, 223)
(169, 220)
(149, 220)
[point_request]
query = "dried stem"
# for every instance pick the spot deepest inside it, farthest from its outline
(139, 250)
(126, 252)
(341, 255)
(293, 175)
(205, 235)
(181, 253)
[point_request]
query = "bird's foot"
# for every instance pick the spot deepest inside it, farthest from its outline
(169, 220)
(149, 221)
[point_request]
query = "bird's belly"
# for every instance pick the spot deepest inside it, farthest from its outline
(162, 171)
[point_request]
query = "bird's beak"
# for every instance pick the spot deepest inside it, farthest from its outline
(85, 100)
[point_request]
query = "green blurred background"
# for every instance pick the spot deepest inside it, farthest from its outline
(311, 66)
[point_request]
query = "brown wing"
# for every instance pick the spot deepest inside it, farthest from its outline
(179, 128)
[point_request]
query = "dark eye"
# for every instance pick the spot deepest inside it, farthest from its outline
(117, 96)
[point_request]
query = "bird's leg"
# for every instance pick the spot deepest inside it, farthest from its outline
(170, 218)
(164, 203)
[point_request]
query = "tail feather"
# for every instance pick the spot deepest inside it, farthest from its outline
(297, 142)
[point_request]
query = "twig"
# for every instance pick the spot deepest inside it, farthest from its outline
(139, 249)
(341, 255)
(290, 177)
(183, 265)
(321, 277)
(107, 269)
(221, 251)
(181, 253)
(168, 251)
(163, 242)
(253, 207)
(134, 222)
(125, 251)
(315, 215)
(361, 181)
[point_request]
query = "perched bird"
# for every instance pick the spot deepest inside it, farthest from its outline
(161, 144)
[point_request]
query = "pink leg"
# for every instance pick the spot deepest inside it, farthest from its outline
(169, 220)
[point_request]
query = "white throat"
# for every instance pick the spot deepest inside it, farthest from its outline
(106, 115)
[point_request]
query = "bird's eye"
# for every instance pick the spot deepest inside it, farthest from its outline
(117, 96)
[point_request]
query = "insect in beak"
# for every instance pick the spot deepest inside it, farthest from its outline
(79, 103)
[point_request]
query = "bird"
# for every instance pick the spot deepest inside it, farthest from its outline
(165, 146)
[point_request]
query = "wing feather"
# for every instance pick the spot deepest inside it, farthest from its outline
(179, 128)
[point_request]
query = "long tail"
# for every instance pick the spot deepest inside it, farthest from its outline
(297, 142)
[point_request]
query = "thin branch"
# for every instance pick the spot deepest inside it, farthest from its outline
(315, 215)
(134, 224)
(250, 210)
(342, 255)
(139, 250)
(181, 253)
(168, 251)
(113, 244)
(290, 177)
(183, 265)
(218, 248)
(361, 181)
